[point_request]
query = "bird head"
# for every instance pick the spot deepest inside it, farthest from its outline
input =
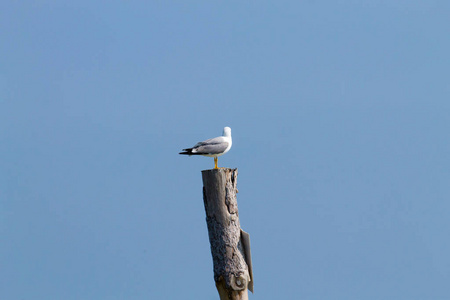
(227, 131)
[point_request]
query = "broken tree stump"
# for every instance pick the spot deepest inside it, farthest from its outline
(230, 245)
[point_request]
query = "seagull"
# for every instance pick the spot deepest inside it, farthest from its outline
(213, 147)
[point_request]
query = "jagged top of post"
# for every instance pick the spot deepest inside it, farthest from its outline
(219, 170)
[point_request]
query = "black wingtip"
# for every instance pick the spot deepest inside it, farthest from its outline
(187, 151)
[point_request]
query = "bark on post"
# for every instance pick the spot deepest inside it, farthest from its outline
(230, 246)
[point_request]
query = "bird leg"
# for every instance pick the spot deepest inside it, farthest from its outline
(215, 163)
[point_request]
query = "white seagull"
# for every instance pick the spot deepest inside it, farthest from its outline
(213, 147)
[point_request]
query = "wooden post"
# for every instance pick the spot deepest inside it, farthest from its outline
(230, 245)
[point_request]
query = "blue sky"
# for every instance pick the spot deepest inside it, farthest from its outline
(340, 117)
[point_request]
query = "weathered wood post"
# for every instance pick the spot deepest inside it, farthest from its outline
(230, 245)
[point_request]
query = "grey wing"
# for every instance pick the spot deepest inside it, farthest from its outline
(211, 148)
(216, 140)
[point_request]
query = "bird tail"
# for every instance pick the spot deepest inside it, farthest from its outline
(188, 151)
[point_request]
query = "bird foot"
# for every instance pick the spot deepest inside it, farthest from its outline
(215, 163)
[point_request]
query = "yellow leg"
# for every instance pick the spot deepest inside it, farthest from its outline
(215, 163)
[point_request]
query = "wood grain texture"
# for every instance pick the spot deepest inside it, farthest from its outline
(229, 248)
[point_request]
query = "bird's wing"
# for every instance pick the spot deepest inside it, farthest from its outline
(212, 146)
(216, 140)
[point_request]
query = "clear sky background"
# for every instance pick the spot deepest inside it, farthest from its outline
(340, 114)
